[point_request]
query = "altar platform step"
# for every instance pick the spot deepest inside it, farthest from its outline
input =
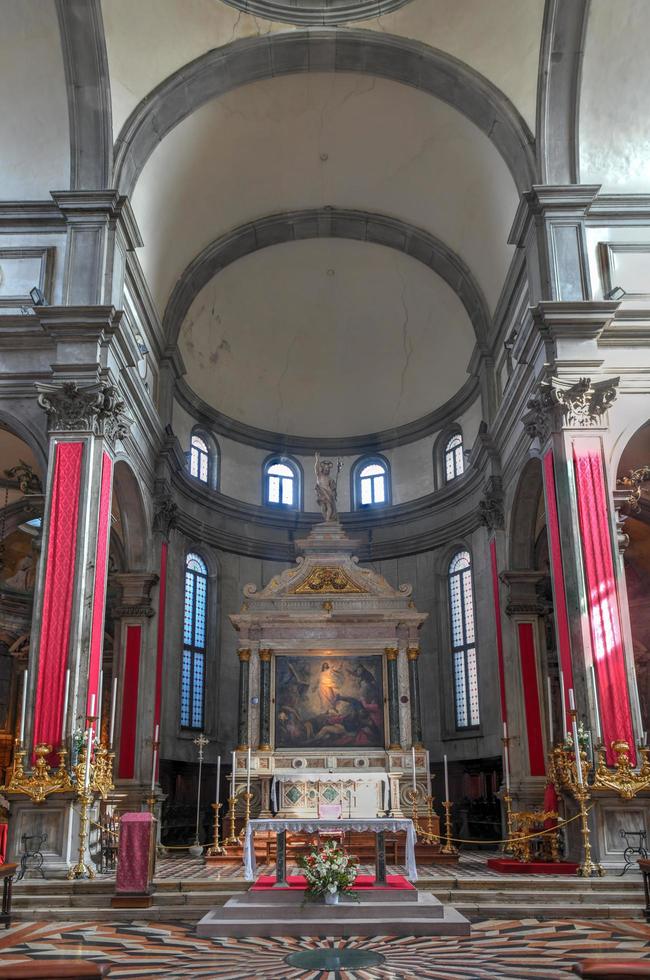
(254, 914)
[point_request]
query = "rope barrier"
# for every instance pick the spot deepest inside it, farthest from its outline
(560, 823)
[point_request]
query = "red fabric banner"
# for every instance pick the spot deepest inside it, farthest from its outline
(99, 590)
(497, 616)
(557, 576)
(160, 646)
(130, 683)
(602, 598)
(60, 558)
(536, 759)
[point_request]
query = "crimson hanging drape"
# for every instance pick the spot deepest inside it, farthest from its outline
(99, 590)
(602, 597)
(57, 593)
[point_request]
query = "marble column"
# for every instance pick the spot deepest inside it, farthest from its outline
(244, 669)
(393, 699)
(413, 654)
(265, 701)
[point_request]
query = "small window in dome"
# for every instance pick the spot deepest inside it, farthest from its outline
(371, 483)
(454, 459)
(281, 482)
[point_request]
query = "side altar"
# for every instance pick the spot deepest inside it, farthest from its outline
(329, 702)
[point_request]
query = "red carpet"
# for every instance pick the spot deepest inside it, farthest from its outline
(393, 883)
(506, 866)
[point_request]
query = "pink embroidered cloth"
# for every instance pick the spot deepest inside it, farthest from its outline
(133, 860)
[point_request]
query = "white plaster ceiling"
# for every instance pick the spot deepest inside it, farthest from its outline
(34, 140)
(326, 337)
(150, 39)
(614, 116)
(324, 139)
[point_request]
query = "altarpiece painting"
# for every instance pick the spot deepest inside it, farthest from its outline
(325, 701)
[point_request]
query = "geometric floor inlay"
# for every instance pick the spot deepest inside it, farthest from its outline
(520, 949)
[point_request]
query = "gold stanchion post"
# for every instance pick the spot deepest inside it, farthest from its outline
(448, 847)
(232, 837)
(81, 869)
(247, 797)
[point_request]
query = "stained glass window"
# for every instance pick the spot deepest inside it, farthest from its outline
(194, 634)
(454, 459)
(281, 482)
(461, 616)
(372, 488)
(199, 459)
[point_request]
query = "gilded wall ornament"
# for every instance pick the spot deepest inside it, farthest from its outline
(328, 578)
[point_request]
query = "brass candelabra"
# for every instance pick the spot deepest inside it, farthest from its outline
(248, 796)
(43, 780)
(448, 847)
(81, 869)
(563, 771)
(217, 847)
(623, 779)
(232, 837)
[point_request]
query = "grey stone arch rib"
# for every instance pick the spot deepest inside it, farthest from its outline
(324, 50)
(327, 222)
(558, 90)
(89, 94)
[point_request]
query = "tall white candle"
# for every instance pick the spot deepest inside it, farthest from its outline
(413, 768)
(65, 706)
(549, 697)
(446, 779)
(506, 766)
(154, 758)
(91, 713)
(23, 710)
(111, 729)
(576, 749)
(216, 795)
(599, 731)
(505, 729)
(248, 770)
(233, 775)
(89, 748)
(572, 700)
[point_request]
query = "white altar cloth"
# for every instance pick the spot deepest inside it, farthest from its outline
(330, 777)
(311, 826)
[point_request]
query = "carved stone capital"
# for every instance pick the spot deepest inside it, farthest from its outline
(490, 508)
(96, 408)
(244, 656)
(525, 592)
(560, 404)
(413, 653)
(136, 594)
(165, 512)
(265, 655)
(391, 653)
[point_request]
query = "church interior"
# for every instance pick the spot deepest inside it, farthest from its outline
(325, 488)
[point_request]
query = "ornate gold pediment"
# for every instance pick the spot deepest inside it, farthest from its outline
(328, 578)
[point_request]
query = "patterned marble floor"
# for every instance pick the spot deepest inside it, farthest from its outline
(497, 950)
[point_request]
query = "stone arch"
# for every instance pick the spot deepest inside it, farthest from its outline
(523, 516)
(327, 222)
(320, 50)
(133, 516)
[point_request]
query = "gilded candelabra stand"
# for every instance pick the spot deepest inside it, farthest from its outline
(507, 800)
(42, 780)
(448, 847)
(563, 770)
(248, 796)
(622, 779)
(100, 781)
(232, 839)
(217, 847)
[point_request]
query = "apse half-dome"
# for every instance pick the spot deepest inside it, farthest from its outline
(319, 12)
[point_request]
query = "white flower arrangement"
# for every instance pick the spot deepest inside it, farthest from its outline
(328, 870)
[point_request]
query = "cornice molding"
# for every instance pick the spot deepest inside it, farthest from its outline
(223, 425)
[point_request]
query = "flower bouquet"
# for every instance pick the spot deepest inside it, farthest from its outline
(329, 871)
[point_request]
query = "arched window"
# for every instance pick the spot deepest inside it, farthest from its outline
(199, 459)
(454, 460)
(463, 641)
(194, 632)
(281, 482)
(371, 482)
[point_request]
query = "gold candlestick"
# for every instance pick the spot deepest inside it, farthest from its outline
(247, 815)
(507, 799)
(430, 815)
(216, 848)
(588, 868)
(151, 801)
(232, 836)
(81, 869)
(448, 847)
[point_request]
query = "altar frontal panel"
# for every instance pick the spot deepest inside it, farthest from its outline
(325, 701)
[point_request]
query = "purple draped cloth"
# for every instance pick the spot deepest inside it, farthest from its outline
(134, 855)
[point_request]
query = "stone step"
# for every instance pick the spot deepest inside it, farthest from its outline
(424, 905)
(332, 923)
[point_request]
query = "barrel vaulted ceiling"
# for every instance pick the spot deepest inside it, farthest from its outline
(240, 127)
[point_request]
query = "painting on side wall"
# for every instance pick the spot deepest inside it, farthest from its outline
(324, 701)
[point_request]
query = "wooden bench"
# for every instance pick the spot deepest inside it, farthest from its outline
(611, 969)
(72, 969)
